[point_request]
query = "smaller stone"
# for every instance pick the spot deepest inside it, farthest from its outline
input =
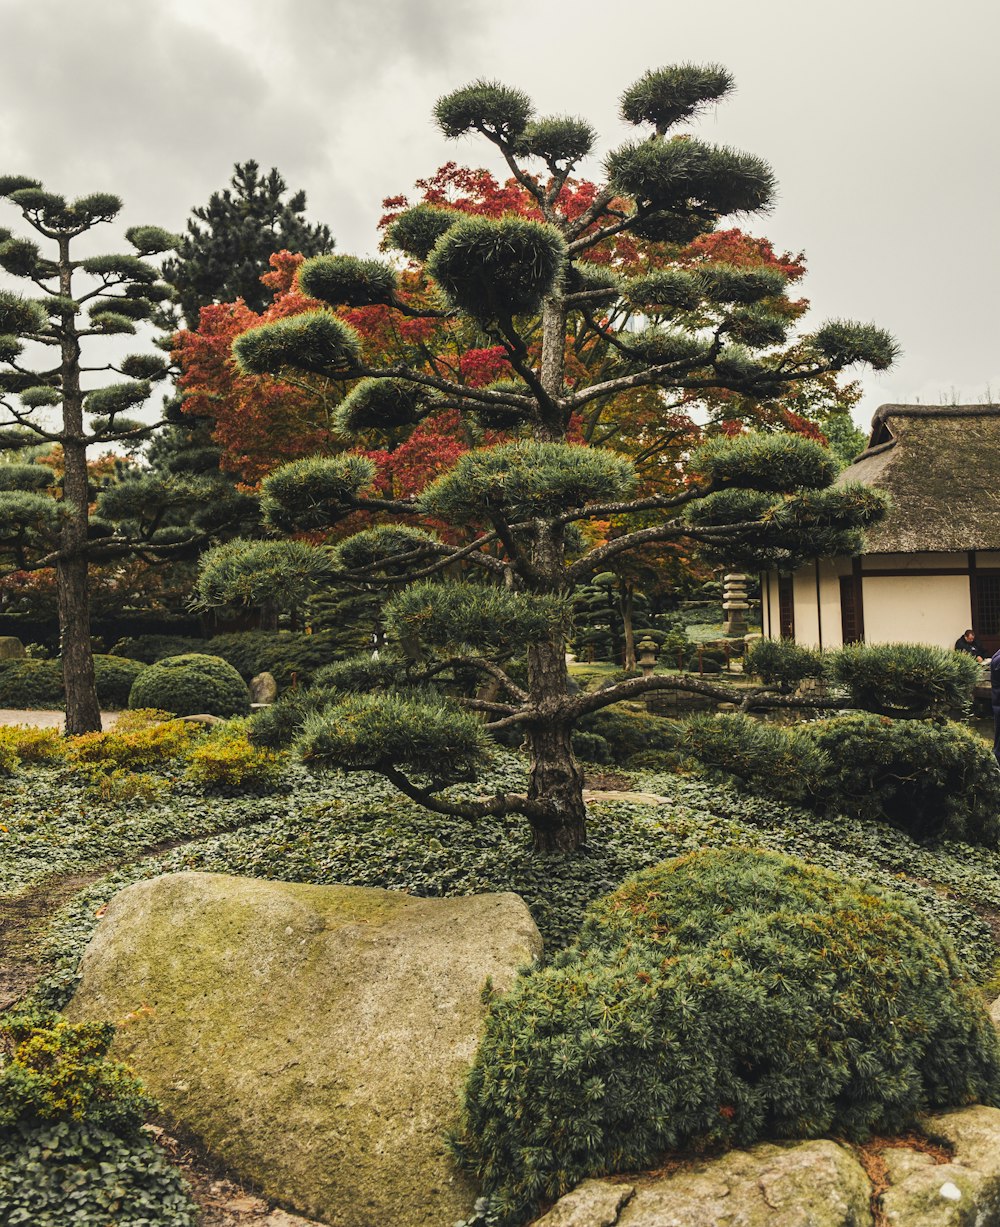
(263, 688)
(203, 718)
(594, 1203)
(951, 1191)
(11, 648)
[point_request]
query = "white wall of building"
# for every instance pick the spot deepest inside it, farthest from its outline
(933, 609)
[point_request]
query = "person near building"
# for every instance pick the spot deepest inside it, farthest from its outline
(969, 644)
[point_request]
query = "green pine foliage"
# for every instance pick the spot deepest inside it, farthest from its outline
(416, 230)
(783, 662)
(905, 678)
(717, 1000)
(931, 779)
(521, 480)
(314, 492)
(228, 242)
(418, 733)
(192, 684)
(758, 461)
(497, 269)
(314, 341)
(453, 618)
(346, 281)
(242, 572)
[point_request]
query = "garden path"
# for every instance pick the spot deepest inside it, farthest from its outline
(47, 719)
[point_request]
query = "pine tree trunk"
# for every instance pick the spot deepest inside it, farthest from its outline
(627, 604)
(83, 712)
(556, 779)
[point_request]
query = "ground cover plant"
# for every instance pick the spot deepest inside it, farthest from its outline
(72, 1148)
(359, 831)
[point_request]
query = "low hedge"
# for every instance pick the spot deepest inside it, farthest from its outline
(929, 778)
(717, 1000)
(191, 684)
(783, 662)
(905, 678)
(37, 684)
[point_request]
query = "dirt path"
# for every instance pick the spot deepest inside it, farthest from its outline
(24, 919)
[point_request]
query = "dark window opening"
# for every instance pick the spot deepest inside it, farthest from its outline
(850, 623)
(786, 608)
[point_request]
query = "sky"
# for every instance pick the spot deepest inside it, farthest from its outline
(879, 118)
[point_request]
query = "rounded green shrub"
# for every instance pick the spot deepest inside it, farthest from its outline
(905, 678)
(28, 683)
(929, 778)
(115, 675)
(191, 684)
(718, 999)
(782, 662)
(770, 760)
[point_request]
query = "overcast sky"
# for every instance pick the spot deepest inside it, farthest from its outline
(879, 118)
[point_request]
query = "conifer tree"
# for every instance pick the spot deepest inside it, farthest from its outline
(51, 515)
(228, 242)
(521, 514)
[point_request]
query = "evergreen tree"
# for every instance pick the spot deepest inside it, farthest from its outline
(46, 519)
(523, 516)
(229, 241)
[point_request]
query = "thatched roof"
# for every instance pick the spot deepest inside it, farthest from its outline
(941, 466)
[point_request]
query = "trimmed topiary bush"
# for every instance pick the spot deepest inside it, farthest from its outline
(115, 675)
(719, 999)
(782, 662)
(192, 684)
(929, 778)
(898, 679)
(28, 683)
(771, 760)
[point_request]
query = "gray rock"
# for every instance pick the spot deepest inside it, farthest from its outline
(595, 1203)
(962, 1193)
(263, 688)
(808, 1184)
(11, 648)
(315, 1038)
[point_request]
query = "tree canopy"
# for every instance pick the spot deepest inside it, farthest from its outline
(482, 563)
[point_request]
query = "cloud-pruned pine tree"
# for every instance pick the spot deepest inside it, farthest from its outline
(496, 584)
(53, 411)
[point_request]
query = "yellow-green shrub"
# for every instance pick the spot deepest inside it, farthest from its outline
(31, 745)
(149, 746)
(225, 759)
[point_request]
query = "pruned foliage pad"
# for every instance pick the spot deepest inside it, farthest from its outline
(719, 999)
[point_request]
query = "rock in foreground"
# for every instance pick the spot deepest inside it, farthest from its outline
(315, 1038)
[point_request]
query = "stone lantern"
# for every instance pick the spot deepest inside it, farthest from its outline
(735, 605)
(646, 649)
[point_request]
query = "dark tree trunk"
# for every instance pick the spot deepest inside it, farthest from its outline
(83, 713)
(554, 778)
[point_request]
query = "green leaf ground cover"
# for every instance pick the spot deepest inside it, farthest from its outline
(357, 830)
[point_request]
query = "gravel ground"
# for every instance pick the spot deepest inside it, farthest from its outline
(47, 719)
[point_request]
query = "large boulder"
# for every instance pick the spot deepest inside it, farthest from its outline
(314, 1038)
